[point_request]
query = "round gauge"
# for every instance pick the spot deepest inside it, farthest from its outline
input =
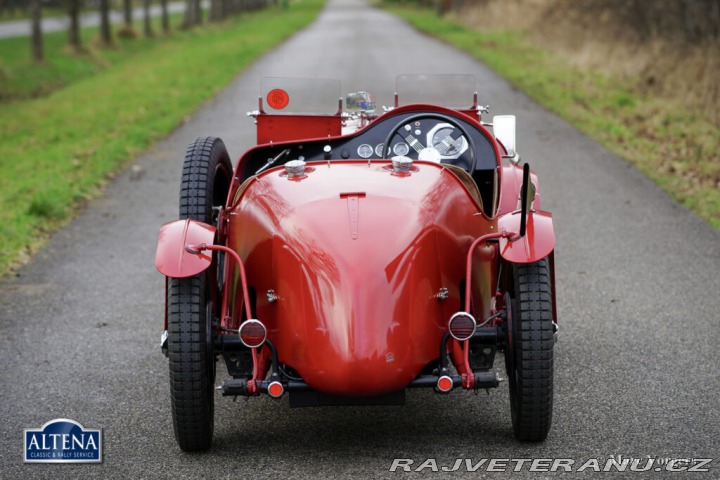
(401, 148)
(447, 140)
(365, 151)
(379, 149)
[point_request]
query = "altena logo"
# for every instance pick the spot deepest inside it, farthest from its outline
(63, 441)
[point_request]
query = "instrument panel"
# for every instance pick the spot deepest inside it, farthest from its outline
(427, 140)
(425, 137)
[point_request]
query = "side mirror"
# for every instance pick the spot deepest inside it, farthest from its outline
(504, 129)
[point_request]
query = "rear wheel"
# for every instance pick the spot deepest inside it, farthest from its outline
(205, 182)
(529, 353)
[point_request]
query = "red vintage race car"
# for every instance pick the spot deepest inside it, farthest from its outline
(352, 255)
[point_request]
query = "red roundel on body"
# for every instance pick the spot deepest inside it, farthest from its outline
(278, 99)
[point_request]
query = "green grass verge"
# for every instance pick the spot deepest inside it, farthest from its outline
(672, 145)
(56, 152)
(23, 79)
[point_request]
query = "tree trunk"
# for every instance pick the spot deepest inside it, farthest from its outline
(36, 40)
(127, 14)
(216, 11)
(165, 17)
(444, 6)
(189, 17)
(147, 24)
(105, 31)
(198, 12)
(74, 31)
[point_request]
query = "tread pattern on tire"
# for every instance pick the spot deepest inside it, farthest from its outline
(193, 418)
(204, 155)
(190, 382)
(534, 344)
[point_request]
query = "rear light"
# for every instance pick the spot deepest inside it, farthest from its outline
(252, 333)
(275, 389)
(462, 326)
(444, 384)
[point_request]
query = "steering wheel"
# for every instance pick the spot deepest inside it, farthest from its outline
(430, 115)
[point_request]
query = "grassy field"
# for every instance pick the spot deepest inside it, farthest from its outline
(674, 145)
(105, 107)
(23, 79)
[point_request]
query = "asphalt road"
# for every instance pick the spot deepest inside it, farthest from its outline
(638, 296)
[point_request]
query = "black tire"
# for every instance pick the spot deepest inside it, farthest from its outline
(529, 356)
(205, 182)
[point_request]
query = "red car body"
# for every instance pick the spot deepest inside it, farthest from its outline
(352, 267)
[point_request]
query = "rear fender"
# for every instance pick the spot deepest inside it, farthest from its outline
(537, 243)
(172, 259)
(511, 183)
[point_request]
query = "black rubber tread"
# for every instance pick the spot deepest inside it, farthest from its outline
(191, 386)
(531, 387)
(205, 180)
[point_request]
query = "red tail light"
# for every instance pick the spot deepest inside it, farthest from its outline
(444, 384)
(275, 389)
(252, 333)
(462, 326)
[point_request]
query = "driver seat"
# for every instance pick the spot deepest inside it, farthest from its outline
(467, 181)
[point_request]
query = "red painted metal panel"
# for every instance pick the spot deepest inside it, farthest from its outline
(511, 182)
(171, 257)
(356, 257)
(283, 128)
(536, 244)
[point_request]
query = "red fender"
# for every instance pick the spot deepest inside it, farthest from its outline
(510, 184)
(172, 259)
(537, 243)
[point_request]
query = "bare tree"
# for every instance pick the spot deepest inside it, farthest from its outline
(164, 15)
(192, 13)
(36, 40)
(105, 29)
(216, 10)
(198, 12)
(147, 24)
(188, 16)
(74, 30)
(127, 14)
(444, 6)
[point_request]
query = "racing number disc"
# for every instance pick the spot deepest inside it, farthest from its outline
(278, 99)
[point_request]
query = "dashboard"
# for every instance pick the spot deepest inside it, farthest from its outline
(417, 134)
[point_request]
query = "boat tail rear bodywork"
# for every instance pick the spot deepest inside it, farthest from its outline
(364, 267)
